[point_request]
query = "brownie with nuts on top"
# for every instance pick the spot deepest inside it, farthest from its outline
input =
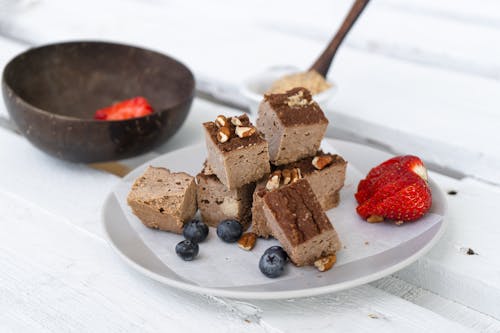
(162, 199)
(216, 202)
(298, 222)
(325, 173)
(293, 124)
(236, 151)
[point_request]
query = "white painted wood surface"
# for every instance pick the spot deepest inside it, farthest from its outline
(58, 268)
(427, 60)
(405, 80)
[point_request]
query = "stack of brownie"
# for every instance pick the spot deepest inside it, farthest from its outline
(273, 177)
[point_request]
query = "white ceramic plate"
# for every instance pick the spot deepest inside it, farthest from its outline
(130, 247)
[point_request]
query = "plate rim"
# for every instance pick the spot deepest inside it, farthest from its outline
(270, 295)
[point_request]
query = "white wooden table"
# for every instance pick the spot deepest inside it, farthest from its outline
(417, 76)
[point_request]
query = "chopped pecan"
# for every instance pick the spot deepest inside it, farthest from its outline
(247, 241)
(320, 162)
(325, 263)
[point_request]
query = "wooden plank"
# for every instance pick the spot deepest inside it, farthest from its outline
(362, 309)
(60, 278)
(440, 305)
(483, 12)
(452, 271)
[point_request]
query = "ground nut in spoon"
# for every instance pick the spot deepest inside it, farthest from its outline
(311, 80)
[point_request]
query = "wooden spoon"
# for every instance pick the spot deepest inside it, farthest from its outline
(322, 64)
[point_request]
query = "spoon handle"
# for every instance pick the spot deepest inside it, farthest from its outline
(322, 64)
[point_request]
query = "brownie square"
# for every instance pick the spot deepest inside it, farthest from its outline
(298, 222)
(326, 184)
(236, 156)
(293, 125)
(162, 199)
(216, 202)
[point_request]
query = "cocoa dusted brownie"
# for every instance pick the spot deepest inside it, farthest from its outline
(325, 173)
(293, 125)
(298, 222)
(162, 199)
(216, 202)
(236, 151)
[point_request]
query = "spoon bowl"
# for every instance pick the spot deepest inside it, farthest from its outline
(254, 88)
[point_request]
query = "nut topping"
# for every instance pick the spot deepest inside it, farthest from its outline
(296, 175)
(236, 121)
(287, 176)
(375, 219)
(325, 263)
(297, 100)
(320, 162)
(274, 181)
(247, 241)
(221, 121)
(244, 132)
(223, 134)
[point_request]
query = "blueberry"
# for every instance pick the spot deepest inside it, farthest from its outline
(278, 250)
(195, 230)
(187, 250)
(272, 264)
(229, 230)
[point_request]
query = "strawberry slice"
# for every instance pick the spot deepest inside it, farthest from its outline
(409, 203)
(384, 201)
(396, 189)
(130, 108)
(387, 172)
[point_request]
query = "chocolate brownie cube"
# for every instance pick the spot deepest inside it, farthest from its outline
(326, 180)
(326, 175)
(298, 222)
(216, 202)
(236, 151)
(293, 125)
(162, 199)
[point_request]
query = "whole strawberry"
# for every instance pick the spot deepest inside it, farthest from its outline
(396, 190)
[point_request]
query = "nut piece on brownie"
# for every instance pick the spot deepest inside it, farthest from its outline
(298, 222)
(236, 151)
(216, 202)
(162, 199)
(293, 125)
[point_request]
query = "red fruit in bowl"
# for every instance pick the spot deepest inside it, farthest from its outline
(127, 109)
(396, 189)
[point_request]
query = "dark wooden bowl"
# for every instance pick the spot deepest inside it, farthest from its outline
(52, 92)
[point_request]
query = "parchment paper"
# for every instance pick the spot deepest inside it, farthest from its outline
(225, 265)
